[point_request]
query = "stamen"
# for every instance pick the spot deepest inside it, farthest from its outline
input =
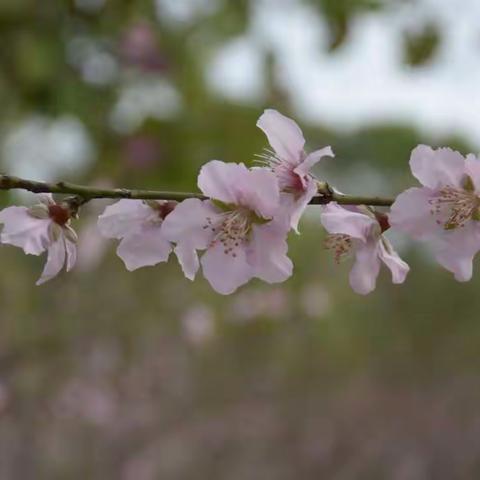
(288, 180)
(456, 205)
(231, 230)
(267, 159)
(340, 244)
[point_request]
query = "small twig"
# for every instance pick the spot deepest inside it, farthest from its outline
(82, 194)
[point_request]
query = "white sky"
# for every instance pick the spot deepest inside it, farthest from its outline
(365, 80)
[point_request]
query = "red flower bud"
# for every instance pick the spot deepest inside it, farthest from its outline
(59, 214)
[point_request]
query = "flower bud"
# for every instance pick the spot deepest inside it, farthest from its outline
(59, 214)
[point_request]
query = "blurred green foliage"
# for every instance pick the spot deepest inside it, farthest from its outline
(421, 47)
(339, 15)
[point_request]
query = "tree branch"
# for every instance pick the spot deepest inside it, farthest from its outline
(8, 182)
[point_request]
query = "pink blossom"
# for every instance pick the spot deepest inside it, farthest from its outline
(139, 226)
(445, 212)
(290, 162)
(45, 226)
(360, 231)
(199, 324)
(240, 228)
(139, 48)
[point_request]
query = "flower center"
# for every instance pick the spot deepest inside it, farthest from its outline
(59, 214)
(382, 220)
(340, 244)
(163, 208)
(288, 180)
(454, 207)
(232, 229)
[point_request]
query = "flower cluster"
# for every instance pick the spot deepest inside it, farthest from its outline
(43, 227)
(238, 230)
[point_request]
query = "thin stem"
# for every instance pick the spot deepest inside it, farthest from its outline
(86, 193)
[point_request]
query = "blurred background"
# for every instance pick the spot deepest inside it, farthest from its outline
(106, 374)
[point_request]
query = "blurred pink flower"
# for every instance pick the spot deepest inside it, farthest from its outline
(290, 162)
(250, 305)
(139, 48)
(45, 226)
(199, 324)
(92, 401)
(139, 225)
(142, 152)
(445, 212)
(315, 300)
(241, 228)
(351, 229)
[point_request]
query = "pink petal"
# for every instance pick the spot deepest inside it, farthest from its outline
(364, 273)
(188, 258)
(224, 272)
(260, 192)
(410, 213)
(283, 134)
(391, 259)
(187, 223)
(472, 165)
(55, 260)
(186, 227)
(297, 205)
(460, 264)
(337, 219)
(24, 231)
(437, 167)
(267, 253)
(147, 247)
(456, 249)
(234, 183)
(311, 159)
(222, 181)
(71, 250)
(124, 217)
